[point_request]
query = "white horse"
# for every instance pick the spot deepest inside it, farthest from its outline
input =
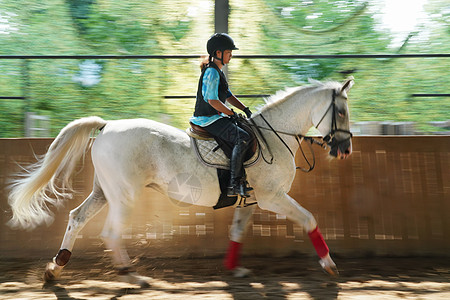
(129, 155)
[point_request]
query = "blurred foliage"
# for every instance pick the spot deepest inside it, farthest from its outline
(67, 89)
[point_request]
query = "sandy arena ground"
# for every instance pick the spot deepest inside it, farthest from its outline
(204, 278)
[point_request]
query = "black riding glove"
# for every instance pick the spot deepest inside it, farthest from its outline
(234, 116)
(248, 112)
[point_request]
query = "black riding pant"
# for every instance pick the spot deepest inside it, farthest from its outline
(227, 130)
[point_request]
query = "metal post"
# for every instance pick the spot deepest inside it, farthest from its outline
(26, 96)
(221, 13)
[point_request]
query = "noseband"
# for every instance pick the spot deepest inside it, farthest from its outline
(328, 140)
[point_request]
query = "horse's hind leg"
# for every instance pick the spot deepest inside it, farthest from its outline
(285, 205)
(238, 228)
(120, 208)
(78, 218)
(112, 236)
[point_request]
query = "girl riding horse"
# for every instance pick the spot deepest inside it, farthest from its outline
(215, 117)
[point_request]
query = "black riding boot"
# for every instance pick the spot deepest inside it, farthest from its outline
(238, 186)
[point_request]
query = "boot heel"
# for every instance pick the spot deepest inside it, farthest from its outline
(231, 191)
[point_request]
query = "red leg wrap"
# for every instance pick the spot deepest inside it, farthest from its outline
(232, 257)
(318, 242)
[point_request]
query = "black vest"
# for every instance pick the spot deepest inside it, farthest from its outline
(203, 108)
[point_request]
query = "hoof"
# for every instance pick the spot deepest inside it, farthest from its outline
(144, 284)
(52, 272)
(331, 270)
(134, 278)
(328, 266)
(241, 272)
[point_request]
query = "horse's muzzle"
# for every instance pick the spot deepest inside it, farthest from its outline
(341, 149)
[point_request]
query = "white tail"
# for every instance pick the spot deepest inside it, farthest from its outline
(30, 194)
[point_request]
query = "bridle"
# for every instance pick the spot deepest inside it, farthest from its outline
(327, 141)
(329, 138)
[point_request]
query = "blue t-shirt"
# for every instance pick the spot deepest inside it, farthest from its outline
(210, 91)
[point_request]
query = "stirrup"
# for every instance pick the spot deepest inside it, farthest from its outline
(240, 189)
(243, 191)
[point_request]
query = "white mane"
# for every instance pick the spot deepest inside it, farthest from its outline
(283, 95)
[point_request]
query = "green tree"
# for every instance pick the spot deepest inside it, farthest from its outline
(68, 89)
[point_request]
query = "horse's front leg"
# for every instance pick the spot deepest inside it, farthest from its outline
(241, 218)
(286, 205)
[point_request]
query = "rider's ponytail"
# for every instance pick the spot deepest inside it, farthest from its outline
(205, 62)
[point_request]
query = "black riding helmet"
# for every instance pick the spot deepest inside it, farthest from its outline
(219, 41)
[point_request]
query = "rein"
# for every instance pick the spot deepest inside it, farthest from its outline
(326, 141)
(299, 138)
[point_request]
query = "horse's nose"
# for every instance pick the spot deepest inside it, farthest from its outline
(346, 153)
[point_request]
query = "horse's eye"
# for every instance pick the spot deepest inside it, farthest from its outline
(341, 113)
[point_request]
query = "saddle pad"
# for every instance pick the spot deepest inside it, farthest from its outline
(210, 154)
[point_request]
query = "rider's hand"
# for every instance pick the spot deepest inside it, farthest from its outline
(248, 112)
(234, 116)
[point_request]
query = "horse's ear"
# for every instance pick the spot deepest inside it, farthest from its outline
(347, 85)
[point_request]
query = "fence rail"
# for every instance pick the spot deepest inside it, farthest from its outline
(256, 56)
(27, 90)
(391, 197)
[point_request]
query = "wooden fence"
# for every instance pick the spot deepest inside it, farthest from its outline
(392, 197)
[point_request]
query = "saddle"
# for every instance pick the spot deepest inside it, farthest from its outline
(215, 152)
(198, 132)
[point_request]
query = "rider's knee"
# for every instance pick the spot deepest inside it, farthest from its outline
(243, 137)
(246, 137)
